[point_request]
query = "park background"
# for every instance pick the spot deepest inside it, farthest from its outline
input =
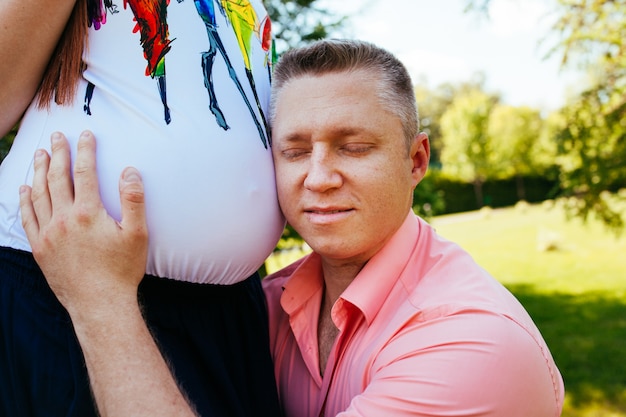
(524, 102)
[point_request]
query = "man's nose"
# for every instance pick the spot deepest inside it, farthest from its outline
(323, 173)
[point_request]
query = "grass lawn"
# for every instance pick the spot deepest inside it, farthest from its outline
(571, 277)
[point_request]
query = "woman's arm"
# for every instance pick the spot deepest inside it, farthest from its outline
(94, 265)
(29, 32)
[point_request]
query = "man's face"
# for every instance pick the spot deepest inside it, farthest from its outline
(344, 175)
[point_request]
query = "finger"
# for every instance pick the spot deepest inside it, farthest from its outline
(132, 201)
(85, 175)
(29, 218)
(39, 193)
(59, 174)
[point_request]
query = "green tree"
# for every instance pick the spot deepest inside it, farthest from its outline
(481, 6)
(513, 133)
(591, 144)
(466, 152)
(431, 107)
(428, 201)
(432, 104)
(591, 140)
(6, 142)
(545, 150)
(295, 22)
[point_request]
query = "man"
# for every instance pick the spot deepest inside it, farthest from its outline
(406, 323)
(384, 318)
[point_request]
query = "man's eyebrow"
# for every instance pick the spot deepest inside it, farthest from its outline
(347, 131)
(293, 137)
(336, 133)
(354, 131)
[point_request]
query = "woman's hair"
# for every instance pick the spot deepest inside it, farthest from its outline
(66, 66)
(395, 89)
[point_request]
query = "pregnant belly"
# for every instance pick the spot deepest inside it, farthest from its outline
(216, 232)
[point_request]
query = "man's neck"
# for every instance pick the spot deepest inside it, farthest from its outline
(337, 277)
(336, 280)
(326, 333)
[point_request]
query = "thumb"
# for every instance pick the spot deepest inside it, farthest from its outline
(132, 200)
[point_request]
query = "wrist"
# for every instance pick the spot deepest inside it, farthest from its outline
(104, 316)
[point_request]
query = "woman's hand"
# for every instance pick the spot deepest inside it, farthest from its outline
(90, 260)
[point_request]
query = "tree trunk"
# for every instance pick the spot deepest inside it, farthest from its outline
(521, 190)
(478, 192)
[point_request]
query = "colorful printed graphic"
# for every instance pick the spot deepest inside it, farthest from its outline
(151, 23)
(97, 14)
(243, 19)
(151, 18)
(97, 11)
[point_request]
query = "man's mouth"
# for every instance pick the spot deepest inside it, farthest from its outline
(326, 211)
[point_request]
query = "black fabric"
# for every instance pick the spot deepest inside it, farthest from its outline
(214, 337)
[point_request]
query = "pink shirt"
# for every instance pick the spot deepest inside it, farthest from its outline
(424, 331)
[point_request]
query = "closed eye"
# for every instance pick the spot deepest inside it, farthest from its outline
(295, 153)
(357, 148)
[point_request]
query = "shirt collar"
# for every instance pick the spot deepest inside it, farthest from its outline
(305, 282)
(373, 284)
(370, 287)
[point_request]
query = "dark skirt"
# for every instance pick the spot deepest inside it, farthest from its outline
(214, 337)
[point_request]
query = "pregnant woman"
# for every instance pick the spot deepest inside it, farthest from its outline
(180, 90)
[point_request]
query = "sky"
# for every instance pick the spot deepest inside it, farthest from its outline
(440, 43)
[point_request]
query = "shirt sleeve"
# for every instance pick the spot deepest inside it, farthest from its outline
(471, 363)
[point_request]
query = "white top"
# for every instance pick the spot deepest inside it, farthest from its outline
(212, 209)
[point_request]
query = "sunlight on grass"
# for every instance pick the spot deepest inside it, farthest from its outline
(284, 257)
(598, 406)
(510, 243)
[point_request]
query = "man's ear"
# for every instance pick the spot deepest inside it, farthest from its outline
(420, 155)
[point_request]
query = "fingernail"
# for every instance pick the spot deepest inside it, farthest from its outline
(84, 135)
(39, 153)
(56, 136)
(131, 175)
(23, 189)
